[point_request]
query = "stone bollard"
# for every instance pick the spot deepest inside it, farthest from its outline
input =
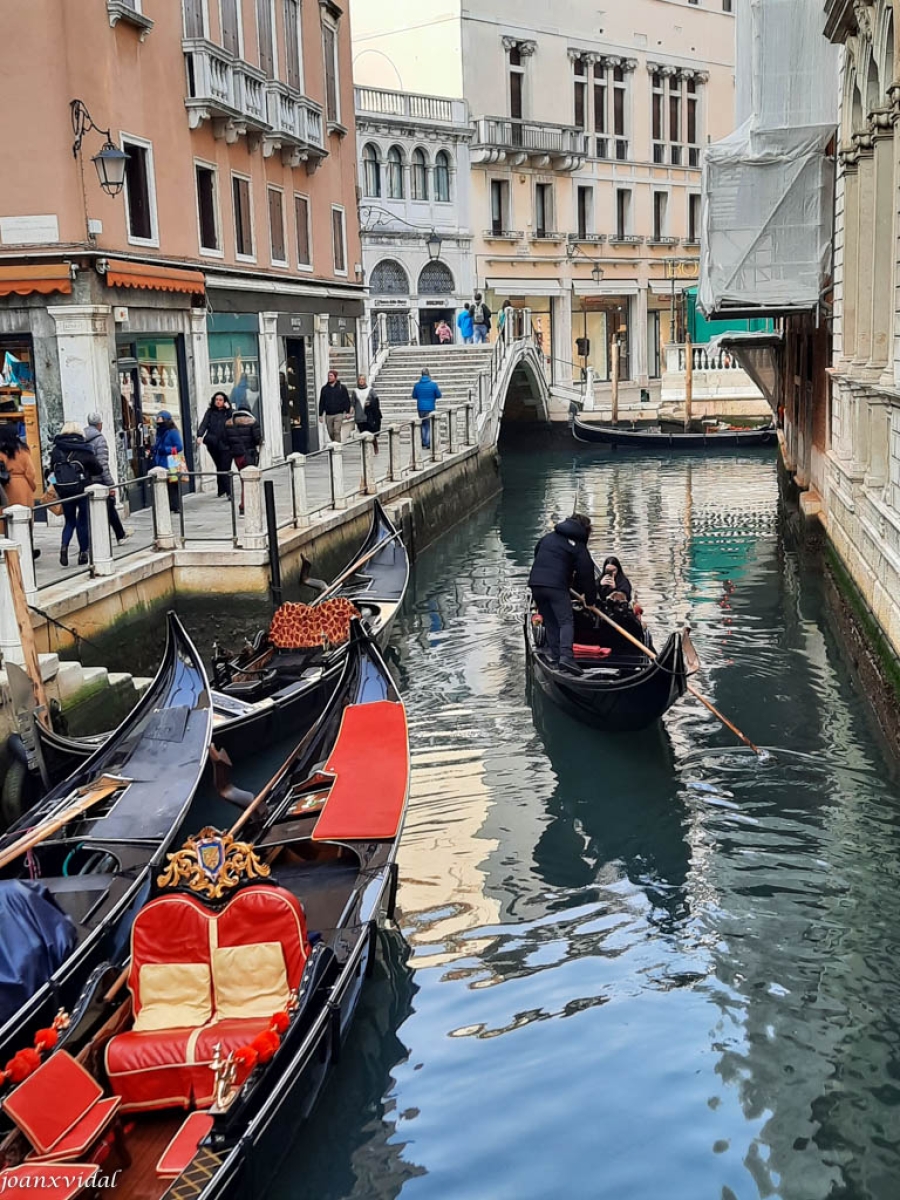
(415, 453)
(162, 517)
(20, 529)
(470, 424)
(395, 464)
(369, 482)
(437, 437)
(297, 464)
(254, 534)
(98, 522)
(589, 390)
(336, 467)
(10, 638)
(452, 417)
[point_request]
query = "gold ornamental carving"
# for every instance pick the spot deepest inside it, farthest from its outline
(212, 864)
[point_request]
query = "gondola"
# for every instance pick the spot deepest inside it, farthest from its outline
(655, 438)
(267, 694)
(199, 1086)
(620, 689)
(67, 903)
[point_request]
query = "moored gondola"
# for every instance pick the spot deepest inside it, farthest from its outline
(246, 968)
(75, 867)
(656, 438)
(620, 688)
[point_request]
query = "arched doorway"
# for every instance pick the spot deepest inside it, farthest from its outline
(390, 298)
(436, 303)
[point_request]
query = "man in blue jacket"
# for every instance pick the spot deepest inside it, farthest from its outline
(562, 561)
(426, 394)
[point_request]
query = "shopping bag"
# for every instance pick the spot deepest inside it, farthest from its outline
(177, 466)
(51, 499)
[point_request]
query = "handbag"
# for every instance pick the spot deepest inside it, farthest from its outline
(51, 499)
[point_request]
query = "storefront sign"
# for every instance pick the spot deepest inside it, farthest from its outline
(296, 325)
(393, 302)
(437, 302)
(682, 268)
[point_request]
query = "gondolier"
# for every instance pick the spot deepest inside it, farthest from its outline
(561, 562)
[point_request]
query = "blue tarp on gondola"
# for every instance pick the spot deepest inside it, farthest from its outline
(35, 939)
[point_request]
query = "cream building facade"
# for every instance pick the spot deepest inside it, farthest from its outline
(588, 143)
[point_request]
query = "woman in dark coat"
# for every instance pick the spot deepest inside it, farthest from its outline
(74, 467)
(244, 440)
(366, 409)
(211, 434)
(613, 579)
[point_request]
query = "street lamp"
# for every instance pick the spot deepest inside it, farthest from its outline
(596, 272)
(110, 160)
(434, 245)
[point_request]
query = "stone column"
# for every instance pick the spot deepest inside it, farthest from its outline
(85, 350)
(101, 539)
(20, 529)
(298, 489)
(864, 142)
(162, 516)
(363, 344)
(10, 639)
(561, 338)
(367, 451)
(202, 390)
(640, 362)
(850, 269)
(882, 236)
(879, 428)
(336, 466)
(272, 449)
(254, 535)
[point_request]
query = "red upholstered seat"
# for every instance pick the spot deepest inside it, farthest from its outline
(178, 1154)
(371, 762)
(61, 1109)
(50, 1181)
(592, 651)
(267, 914)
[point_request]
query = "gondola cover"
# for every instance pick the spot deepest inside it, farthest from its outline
(37, 939)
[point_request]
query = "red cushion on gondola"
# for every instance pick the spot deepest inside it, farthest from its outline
(84, 1134)
(371, 762)
(267, 914)
(180, 1151)
(170, 929)
(47, 1180)
(592, 651)
(53, 1100)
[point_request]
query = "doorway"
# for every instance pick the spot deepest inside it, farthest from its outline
(429, 319)
(294, 407)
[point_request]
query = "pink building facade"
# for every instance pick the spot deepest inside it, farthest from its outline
(229, 261)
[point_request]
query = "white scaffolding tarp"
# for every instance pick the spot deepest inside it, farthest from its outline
(768, 188)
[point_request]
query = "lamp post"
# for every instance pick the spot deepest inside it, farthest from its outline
(110, 160)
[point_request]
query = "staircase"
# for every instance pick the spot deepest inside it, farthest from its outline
(455, 369)
(343, 360)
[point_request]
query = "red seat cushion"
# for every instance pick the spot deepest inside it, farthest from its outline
(592, 651)
(267, 914)
(180, 1151)
(170, 929)
(84, 1133)
(50, 1182)
(53, 1100)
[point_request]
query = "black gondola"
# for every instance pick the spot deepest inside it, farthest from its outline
(655, 438)
(620, 689)
(70, 900)
(268, 694)
(285, 926)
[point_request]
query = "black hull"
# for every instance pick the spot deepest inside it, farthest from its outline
(652, 439)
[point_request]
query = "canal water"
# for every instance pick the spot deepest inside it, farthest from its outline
(639, 966)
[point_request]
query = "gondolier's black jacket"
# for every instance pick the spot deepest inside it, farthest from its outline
(561, 560)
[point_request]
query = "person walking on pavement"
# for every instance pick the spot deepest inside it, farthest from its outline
(481, 319)
(562, 561)
(367, 409)
(168, 445)
(94, 436)
(426, 394)
(16, 457)
(465, 325)
(211, 433)
(335, 405)
(244, 438)
(74, 467)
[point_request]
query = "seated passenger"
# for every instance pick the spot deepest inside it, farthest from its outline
(614, 582)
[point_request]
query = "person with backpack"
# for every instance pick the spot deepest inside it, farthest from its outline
(168, 445)
(243, 438)
(74, 467)
(426, 394)
(481, 319)
(367, 409)
(97, 443)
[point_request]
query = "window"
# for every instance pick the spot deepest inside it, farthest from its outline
(329, 48)
(208, 209)
(304, 242)
(692, 137)
(243, 216)
(726, 6)
(194, 24)
(395, 173)
(675, 119)
(543, 209)
(585, 213)
(371, 171)
(435, 279)
(499, 206)
(619, 86)
(580, 67)
(419, 175)
(601, 126)
(231, 29)
(266, 44)
(693, 218)
(658, 132)
(516, 93)
(292, 54)
(338, 240)
(389, 279)
(276, 226)
(442, 177)
(660, 209)
(623, 212)
(140, 200)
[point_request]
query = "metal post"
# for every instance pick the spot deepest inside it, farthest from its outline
(162, 517)
(370, 484)
(615, 379)
(272, 539)
(297, 463)
(336, 465)
(470, 423)
(20, 529)
(395, 465)
(254, 536)
(415, 456)
(688, 381)
(98, 521)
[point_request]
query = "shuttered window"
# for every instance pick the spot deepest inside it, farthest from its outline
(276, 225)
(301, 212)
(230, 30)
(292, 44)
(337, 234)
(243, 219)
(266, 46)
(329, 46)
(193, 19)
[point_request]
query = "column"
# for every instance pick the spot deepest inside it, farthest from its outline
(882, 236)
(363, 344)
(272, 449)
(865, 227)
(320, 365)
(201, 389)
(101, 540)
(561, 338)
(85, 350)
(640, 369)
(850, 159)
(254, 535)
(20, 529)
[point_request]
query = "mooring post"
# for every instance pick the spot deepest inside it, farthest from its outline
(437, 438)
(162, 517)
(452, 415)
(336, 465)
(297, 464)
(254, 535)
(10, 639)
(470, 423)
(20, 529)
(395, 466)
(415, 453)
(272, 538)
(98, 521)
(370, 486)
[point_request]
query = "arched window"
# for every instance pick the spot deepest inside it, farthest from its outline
(419, 175)
(395, 173)
(389, 279)
(371, 171)
(435, 279)
(442, 176)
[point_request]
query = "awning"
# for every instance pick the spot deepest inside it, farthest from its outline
(525, 287)
(45, 278)
(760, 356)
(120, 273)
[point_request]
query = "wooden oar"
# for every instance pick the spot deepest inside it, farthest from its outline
(650, 654)
(90, 794)
(354, 567)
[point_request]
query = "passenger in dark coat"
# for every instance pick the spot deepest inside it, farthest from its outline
(561, 562)
(74, 467)
(244, 440)
(613, 579)
(212, 434)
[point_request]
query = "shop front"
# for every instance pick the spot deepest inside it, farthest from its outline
(296, 381)
(597, 319)
(18, 395)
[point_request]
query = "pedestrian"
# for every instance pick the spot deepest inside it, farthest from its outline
(74, 467)
(244, 439)
(444, 332)
(211, 434)
(93, 435)
(481, 319)
(426, 394)
(21, 483)
(561, 561)
(168, 453)
(503, 315)
(335, 405)
(367, 409)
(465, 324)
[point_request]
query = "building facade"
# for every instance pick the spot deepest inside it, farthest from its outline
(414, 166)
(586, 154)
(229, 261)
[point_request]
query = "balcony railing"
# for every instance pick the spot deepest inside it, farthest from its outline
(412, 106)
(504, 235)
(294, 117)
(529, 137)
(547, 235)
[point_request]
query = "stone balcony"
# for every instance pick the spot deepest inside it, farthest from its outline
(382, 104)
(297, 128)
(719, 384)
(541, 145)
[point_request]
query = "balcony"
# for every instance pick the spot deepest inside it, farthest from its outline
(503, 235)
(662, 240)
(547, 235)
(587, 239)
(296, 126)
(719, 385)
(408, 106)
(625, 239)
(501, 139)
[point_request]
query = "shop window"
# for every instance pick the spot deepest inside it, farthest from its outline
(276, 226)
(339, 240)
(330, 51)
(442, 177)
(371, 171)
(208, 209)
(419, 175)
(293, 55)
(231, 27)
(243, 217)
(266, 44)
(585, 215)
(304, 241)
(395, 173)
(234, 369)
(140, 200)
(499, 206)
(18, 402)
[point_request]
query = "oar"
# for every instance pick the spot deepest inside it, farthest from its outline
(650, 654)
(354, 567)
(91, 794)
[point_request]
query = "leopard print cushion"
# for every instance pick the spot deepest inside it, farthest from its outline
(303, 626)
